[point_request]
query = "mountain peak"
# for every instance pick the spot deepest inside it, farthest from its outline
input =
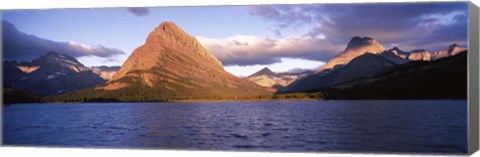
(55, 55)
(168, 26)
(454, 45)
(356, 47)
(396, 49)
(173, 64)
(168, 32)
(167, 29)
(452, 50)
(264, 71)
(361, 41)
(52, 54)
(168, 42)
(54, 72)
(55, 61)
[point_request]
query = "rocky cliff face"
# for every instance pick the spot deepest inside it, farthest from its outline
(175, 65)
(50, 74)
(451, 51)
(419, 55)
(356, 47)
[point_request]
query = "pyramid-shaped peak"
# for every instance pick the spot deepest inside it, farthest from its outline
(264, 71)
(396, 49)
(167, 23)
(167, 32)
(165, 45)
(167, 26)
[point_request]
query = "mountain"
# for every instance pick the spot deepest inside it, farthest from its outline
(444, 78)
(356, 47)
(267, 78)
(264, 71)
(419, 55)
(172, 65)
(50, 74)
(106, 72)
(361, 66)
(363, 57)
(400, 57)
(451, 51)
(396, 55)
(365, 65)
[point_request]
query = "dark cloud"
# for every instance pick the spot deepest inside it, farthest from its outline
(422, 25)
(21, 46)
(322, 31)
(139, 11)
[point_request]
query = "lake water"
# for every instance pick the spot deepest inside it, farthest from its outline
(331, 126)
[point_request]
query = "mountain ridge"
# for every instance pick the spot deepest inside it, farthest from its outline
(267, 78)
(50, 74)
(369, 67)
(444, 78)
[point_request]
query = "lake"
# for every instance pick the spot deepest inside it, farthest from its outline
(299, 126)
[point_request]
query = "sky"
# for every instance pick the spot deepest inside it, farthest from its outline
(244, 38)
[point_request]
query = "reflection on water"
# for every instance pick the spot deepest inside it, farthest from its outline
(334, 126)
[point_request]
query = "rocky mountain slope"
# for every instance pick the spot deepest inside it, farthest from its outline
(50, 74)
(444, 78)
(172, 65)
(349, 65)
(356, 47)
(451, 51)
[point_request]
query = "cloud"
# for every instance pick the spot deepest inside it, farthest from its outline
(21, 46)
(420, 25)
(139, 11)
(245, 50)
(319, 32)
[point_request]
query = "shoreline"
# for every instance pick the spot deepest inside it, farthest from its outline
(219, 101)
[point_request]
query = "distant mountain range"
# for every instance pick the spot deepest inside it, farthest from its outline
(267, 78)
(106, 72)
(172, 65)
(50, 74)
(363, 57)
